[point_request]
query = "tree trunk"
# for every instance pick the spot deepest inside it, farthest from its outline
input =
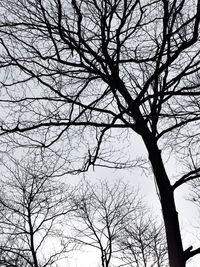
(170, 215)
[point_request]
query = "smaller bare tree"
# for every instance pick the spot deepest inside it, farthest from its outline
(32, 204)
(102, 211)
(143, 243)
(108, 217)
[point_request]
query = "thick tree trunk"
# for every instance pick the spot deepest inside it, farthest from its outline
(170, 215)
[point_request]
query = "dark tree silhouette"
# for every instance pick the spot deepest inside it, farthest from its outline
(78, 70)
(102, 211)
(32, 206)
(111, 218)
(143, 243)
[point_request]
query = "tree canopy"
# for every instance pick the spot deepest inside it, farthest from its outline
(74, 72)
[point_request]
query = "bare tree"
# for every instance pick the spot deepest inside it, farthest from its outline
(143, 243)
(100, 66)
(110, 218)
(102, 211)
(32, 205)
